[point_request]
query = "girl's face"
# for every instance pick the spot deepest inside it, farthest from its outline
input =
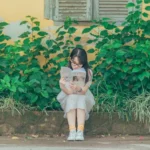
(75, 63)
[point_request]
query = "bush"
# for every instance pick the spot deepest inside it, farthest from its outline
(22, 77)
(121, 66)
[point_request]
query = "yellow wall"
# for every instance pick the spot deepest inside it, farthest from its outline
(143, 9)
(16, 10)
(13, 10)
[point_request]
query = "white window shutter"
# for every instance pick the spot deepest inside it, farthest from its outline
(80, 10)
(49, 9)
(114, 9)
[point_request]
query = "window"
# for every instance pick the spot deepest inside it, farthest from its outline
(86, 10)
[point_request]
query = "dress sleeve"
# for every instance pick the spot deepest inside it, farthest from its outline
(90, 73)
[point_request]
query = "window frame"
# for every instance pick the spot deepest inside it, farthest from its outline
(50, 12)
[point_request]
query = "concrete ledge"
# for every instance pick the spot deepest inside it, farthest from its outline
(39, 123)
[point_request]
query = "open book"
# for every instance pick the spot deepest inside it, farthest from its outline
(76, 76)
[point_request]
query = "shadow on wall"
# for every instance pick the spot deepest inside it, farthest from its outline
(14, 30)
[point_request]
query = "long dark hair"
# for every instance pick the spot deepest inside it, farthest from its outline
(82, 57)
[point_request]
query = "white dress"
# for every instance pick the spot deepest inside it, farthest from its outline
(75, 101)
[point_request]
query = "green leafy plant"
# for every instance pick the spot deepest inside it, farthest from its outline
(122, 55)
(9, 104)
(140, 106)
(120, 69)
(121, 66)
(26, 79)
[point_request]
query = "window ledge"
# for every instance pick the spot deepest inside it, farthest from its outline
(80, 23)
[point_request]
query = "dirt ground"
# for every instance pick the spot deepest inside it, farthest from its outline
(60, 140)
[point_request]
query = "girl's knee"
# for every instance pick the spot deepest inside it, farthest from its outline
(71, 110)
(80, 109)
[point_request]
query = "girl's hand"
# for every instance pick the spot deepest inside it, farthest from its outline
(70, 92)
(72, 86)
(62, 81)
(75, 87)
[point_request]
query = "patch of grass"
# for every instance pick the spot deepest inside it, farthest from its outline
(113, 104)
(140, 107)
(9, 104)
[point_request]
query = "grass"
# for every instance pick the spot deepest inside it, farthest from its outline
(9, 104)
(140, 107)
(136, 107)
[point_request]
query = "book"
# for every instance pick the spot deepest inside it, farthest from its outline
(76, 76)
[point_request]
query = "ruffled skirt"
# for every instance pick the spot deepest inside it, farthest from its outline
(75, 101)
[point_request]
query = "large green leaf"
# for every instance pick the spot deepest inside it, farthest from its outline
(35, 29)
(4, 37)
(59, 38)
(102, 53)
(130, 5)
(72, 30)
(90, 41)
(25, 34)
(148, 63)
(33, 81)
(138, 1)
(2, 45)
(33, 97)
(109, 60)
(45, 94)
(91, 50)
(116, 45)
(146, 1)
(2, 24)
(120, 53)
(79, 46)
(125, 68)
(7, 78)
(3, 62)
(147, 8)
(62, 33)
(37, 23)
(58, 30)
(136, 69)
(13, 89)
(77, 39)
(42, 33)
(22, 90)
(144, 75)
(60, 44)
(86, 30)
(145, 14)
(23, 22)
(104, 33)
(33, 18)
(49, 43)
(65, 53)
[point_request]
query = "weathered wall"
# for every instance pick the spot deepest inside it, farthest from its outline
(14, 11)
(54, 123)
(17, 10)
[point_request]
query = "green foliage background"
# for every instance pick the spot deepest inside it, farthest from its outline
(121, 67)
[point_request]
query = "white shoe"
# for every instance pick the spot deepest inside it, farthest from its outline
(79, 136)
(72, 135)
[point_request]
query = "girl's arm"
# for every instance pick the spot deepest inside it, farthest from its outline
(63, 88)
(88, 84)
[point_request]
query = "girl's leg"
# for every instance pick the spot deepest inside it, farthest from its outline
(81, 122)
(81, 119)
(71, 117)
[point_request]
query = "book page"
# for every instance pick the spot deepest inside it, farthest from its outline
(78, 78)
(66, 73)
